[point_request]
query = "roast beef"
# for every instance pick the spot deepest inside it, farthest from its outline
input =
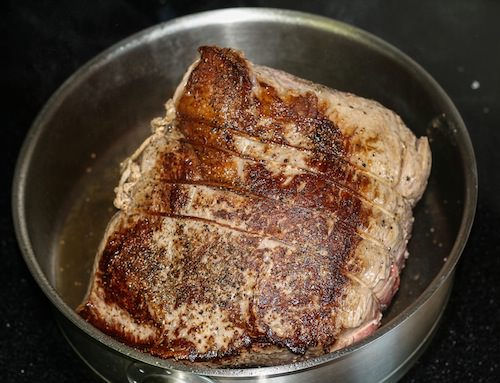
(266, 218)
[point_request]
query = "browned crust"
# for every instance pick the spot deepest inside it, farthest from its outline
(218, 99)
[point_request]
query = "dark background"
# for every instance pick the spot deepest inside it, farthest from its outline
(457, 42)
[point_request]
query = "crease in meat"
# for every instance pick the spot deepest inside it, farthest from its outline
(388, 238)
(289, 172)
(293, 226)
(249, 147)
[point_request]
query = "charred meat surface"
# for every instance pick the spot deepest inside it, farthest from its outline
(265, 218)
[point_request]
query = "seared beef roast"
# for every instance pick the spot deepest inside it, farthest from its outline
(265, 217)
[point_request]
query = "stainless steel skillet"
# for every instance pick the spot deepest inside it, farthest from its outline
(69, 165)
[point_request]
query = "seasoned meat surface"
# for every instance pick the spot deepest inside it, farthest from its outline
(266, 217)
